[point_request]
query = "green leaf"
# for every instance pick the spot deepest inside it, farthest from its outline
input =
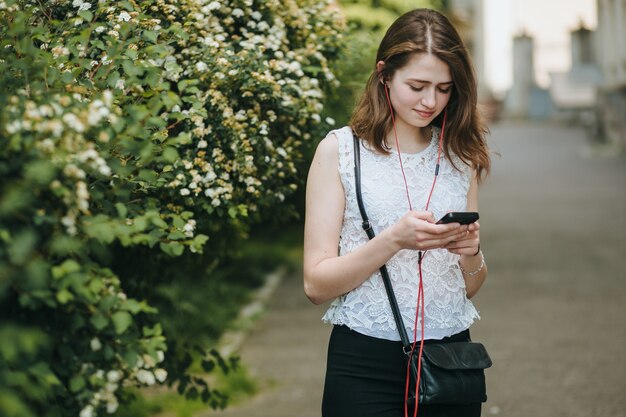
(66, 268)
(40, 172)
(132, 68)
(100, 228)
(121, 320)
(22, 246)
(172, 248)
(63, 296)
(147, 175)
(86, 14)
(99, 321)
(77, 383)
(159, 222)
(150, 36)
(67, 77)
(176, 235)
(170, 155)
(122, 211)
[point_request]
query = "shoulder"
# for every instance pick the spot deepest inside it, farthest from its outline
(335, 142)
(328, 145)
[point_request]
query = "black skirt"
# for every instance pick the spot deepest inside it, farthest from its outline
(365, 377)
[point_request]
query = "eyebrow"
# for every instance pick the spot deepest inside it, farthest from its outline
(428, 82)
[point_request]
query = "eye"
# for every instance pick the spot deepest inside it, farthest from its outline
(414, 88)
(444, 90)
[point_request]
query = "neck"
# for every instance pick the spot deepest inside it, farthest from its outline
(411, 139)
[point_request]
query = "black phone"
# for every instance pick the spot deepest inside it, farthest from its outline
(463, 217)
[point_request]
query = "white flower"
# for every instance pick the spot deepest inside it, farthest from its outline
(160, 374)
(114, 376)
(107, 95)
(184, 192)
(59, 50)
(77, 3)
(213, 5)
(47, 145)
(330, 121)
(112, 405)
(238, 12)
(202, 144)
(85, 6)
(95, 344)
(145, 377)
(104, 170)
(189, 228)
(100, 29)
(160, 356)
(70, 224)
(72, 121)
(120, 84)
(201, 66)
(124, 16)
(87, 411)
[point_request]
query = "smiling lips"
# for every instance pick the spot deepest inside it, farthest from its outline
(424, 114)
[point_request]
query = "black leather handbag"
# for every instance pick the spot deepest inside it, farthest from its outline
(451, 372)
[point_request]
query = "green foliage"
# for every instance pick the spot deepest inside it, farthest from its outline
(138, 139)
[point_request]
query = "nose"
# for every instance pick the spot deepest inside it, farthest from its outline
(429, 98)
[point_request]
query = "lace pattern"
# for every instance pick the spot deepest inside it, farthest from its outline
(366, 309)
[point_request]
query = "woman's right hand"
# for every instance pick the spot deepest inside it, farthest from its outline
(417, 230)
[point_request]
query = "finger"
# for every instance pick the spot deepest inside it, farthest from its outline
(474, 227)
(424, 215)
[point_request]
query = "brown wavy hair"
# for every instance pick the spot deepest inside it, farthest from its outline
(425, 31)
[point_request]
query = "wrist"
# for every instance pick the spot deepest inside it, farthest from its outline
(471, 271)
(392, 239)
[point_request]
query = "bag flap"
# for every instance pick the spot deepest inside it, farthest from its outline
(458, 355)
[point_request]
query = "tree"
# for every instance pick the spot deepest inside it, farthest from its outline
(153, 130)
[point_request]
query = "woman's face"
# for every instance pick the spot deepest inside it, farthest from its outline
(420, 90)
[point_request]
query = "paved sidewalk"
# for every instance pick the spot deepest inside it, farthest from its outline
(554, 235)
(286, 352)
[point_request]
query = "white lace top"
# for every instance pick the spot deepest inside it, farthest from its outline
(366, 308)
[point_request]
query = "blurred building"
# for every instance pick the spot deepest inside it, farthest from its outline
(574, 93)
(525, 99)
(611, 47)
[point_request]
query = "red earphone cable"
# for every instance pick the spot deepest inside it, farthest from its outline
(393, 122)
(419, 308)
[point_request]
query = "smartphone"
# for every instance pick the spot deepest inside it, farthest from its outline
(463, 217)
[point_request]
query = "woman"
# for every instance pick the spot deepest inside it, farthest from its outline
(422, 76)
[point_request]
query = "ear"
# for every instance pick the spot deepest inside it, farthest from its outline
(379, 68)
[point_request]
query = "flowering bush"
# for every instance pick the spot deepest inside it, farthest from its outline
(154, 125)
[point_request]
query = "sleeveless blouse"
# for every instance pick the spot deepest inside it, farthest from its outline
(366, 308)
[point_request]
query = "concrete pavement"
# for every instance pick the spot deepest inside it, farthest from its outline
(553, 219)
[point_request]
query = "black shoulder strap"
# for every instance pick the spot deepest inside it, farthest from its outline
(370, 234)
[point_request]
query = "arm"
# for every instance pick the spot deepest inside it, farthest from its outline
(328, 275)
(468, 246)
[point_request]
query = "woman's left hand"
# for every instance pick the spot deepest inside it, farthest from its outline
(469, 244)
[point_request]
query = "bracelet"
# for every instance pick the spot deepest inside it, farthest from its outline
(480, 268)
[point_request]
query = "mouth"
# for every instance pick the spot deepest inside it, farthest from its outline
(424, 114)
